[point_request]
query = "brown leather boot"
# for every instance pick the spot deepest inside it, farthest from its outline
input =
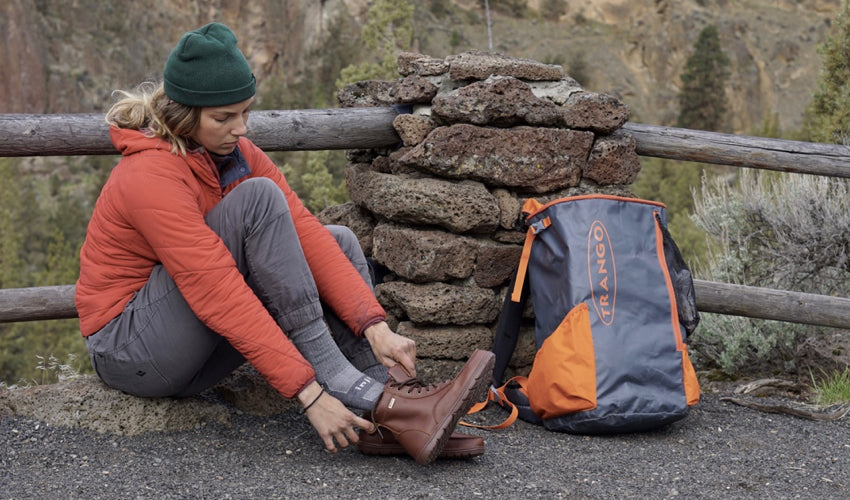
(420, 417)
(459, 445)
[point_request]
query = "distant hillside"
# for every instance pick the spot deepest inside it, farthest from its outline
(67, 58)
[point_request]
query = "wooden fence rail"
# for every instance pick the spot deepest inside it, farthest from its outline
(57, 302)
(364, 128)
(296, 130)
(740, 150)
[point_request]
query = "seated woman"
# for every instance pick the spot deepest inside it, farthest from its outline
(199, 257)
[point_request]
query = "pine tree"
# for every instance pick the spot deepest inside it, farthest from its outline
(11, 240)
(388, 30)
(703, 106)
(320, 188)
(827, 118)
(671, 183)
(702, 100)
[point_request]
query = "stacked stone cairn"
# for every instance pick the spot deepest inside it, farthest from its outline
(440, 214)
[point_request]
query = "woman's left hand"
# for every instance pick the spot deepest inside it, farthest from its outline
(391, 348)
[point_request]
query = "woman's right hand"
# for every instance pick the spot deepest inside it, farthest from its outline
(331, 419)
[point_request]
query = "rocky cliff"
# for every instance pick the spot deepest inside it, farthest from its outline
(67, 57)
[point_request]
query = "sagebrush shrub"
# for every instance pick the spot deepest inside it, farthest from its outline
(783, 231)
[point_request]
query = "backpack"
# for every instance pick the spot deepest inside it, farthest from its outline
(613, 305)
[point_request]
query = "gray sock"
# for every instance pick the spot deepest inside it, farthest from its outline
(378, 372)
(333, 371)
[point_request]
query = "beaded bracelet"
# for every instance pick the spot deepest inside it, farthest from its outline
(304, 410)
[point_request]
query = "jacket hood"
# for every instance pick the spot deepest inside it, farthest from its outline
(130, 141)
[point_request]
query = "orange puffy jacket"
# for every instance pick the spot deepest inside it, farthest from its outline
(151, 210)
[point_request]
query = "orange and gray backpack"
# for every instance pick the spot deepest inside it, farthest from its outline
(613, 304)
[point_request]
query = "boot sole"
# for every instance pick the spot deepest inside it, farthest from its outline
(482, 366)
(394, 450)
(462, 446)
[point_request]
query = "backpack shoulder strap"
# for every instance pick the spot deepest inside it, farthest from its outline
(511, 394)
(507, 329)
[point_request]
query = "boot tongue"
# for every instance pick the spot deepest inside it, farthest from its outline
(399, 374)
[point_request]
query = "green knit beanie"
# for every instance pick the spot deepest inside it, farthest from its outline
(206, 69)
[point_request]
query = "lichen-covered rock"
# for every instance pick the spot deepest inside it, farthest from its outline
(601, 113)
(485, 132)
(510, 208)
(460, 207)
(510, 237)
(479, 65)
(498, 101)
(381, 164)
(613, 161)
(412, 90)
(412, 63)
(366, 93)
(585, 187)
(447, 342)
(527, 158)
(423, 255)
(413, 129)
(557, 92)
(396, 168)
(439, 303)
(495, 264)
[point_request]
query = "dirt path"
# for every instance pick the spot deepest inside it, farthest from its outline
(721, 450)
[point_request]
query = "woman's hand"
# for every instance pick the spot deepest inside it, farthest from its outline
(391, 348)
(331, 419)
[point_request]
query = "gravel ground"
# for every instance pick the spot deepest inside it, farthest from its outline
(720, 450)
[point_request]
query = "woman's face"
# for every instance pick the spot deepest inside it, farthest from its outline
(220, 127)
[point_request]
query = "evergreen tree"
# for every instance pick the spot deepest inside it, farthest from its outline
(320, 188)
(702, 100)
(389, 29)
(671, 183)
(42, 223)
(11, 242)
(703, 106)
(827, 117)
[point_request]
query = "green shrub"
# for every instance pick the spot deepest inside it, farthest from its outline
(788, 232)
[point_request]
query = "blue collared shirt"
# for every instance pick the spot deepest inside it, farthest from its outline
(231, 167)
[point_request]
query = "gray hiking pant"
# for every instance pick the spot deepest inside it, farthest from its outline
(157, 346)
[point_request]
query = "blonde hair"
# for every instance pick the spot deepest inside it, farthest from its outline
(149, 109)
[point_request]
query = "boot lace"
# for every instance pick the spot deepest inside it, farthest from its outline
(414, 384)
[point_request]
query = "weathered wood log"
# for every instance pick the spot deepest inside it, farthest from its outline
(793, 408)
(294, 130)
(57, 302)
(739, 150)
(37, 303)
(364, 128)
(768, 303)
